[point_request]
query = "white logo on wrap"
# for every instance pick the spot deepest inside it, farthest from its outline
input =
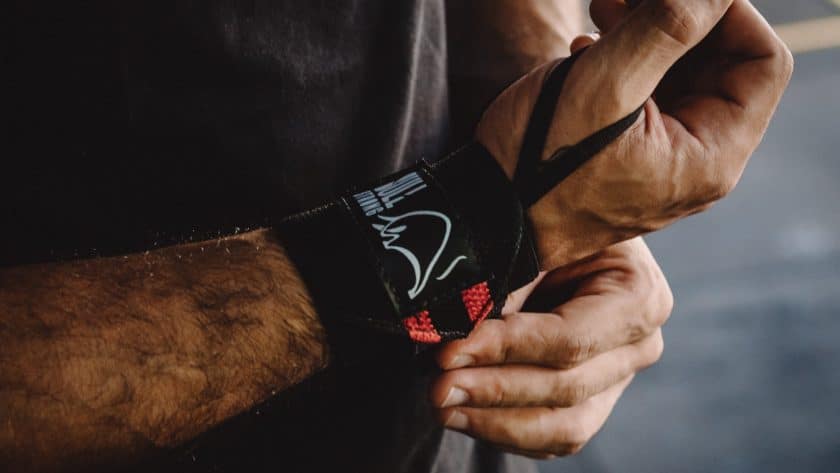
(390, 232)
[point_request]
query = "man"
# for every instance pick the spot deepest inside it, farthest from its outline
(193, 128)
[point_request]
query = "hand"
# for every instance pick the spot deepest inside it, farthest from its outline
(708, 96)
(542, 384)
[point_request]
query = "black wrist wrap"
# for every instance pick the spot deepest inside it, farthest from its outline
(433, 250)
(430, 251)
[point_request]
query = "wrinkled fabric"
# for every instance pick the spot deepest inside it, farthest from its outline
(133, 125)
(156, 122)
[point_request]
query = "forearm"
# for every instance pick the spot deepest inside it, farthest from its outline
(102, 361)
(492, 43)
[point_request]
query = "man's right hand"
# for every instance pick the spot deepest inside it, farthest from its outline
(710, 75)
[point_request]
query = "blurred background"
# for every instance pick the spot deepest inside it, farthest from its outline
(750, 379)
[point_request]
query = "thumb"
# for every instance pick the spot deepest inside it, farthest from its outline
(630, 61)
(583, 41)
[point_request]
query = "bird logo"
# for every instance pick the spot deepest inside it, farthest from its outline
(415, 226)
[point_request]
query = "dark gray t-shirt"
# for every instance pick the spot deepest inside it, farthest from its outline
(135, 124)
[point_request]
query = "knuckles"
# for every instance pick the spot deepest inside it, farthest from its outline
(654, 350)
(785, 62)
(497, 392)
(722, 180)
(550, 437)
(572, 351)
(494, 344)
(573, 449)
(677, 21)
(648, 284)
(572, 437)
(666, 299)
(661, 299)
(687, 22)
(782, 60)
(723, 186)
(571, 393)
(721, 175)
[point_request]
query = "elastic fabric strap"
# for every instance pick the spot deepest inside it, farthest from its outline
(534, 177)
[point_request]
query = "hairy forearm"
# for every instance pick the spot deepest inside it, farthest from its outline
(494, 42)
(105, 360)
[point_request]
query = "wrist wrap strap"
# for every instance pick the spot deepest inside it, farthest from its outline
(535, 176)
(435, 249)
(430, 251)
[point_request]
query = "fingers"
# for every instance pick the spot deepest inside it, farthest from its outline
(743, 93)
(532, 386)
(726, 104)
(744, 30)
(540, 431)
(607, 14)
(627, 64)
(624, 312)
(542, 385)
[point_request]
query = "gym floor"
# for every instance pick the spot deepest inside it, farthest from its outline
(750, 379)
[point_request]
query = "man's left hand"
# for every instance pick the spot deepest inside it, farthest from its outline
(542, 384)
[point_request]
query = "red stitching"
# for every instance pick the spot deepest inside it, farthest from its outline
(477, 301)
(421, 329)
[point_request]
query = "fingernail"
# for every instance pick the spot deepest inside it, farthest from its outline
(457, 420)
(456, 397)
(461, 361)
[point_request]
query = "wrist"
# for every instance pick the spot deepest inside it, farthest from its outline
(428, 252)
(566, 231)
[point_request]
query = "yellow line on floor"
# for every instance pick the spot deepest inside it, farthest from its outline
(811, 35)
